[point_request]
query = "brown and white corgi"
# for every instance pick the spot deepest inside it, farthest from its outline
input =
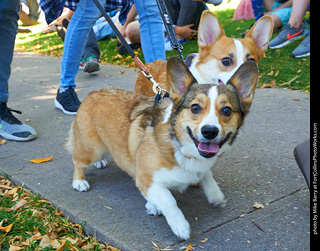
(165, 146)
(219, 56)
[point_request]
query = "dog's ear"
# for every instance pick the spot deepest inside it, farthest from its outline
(261, 32)
(178, 76)
(210, 29)
(244, 80)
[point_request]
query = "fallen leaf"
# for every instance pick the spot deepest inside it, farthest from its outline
(5, 187)
(270, 85)
(36, 237)
(204, 240)
(41, 160)
(14, 248)
(6, 229)
(45, 241)
(189, 247)
(258, 205)
(12, 191)
(55, 244)
(59, 214)
(3, 141)
(19, 205)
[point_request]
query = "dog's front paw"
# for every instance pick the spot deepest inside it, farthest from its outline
(152, 209)
(181, 228)
(217, 199)
(101, 164)
(81, 185)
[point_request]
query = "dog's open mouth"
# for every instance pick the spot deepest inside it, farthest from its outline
(208, 149)
(221, 82)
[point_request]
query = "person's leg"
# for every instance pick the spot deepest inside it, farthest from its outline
(91, 55)
(8, 29)
(76, 38)
(299, 8)
(151, 30)
(190, 13)
(294, 29)
(173, 7)
(257, 6)
(10, 127)
(92, 47)
(133, 32)
(268, 5)
(103, 30)
(281, 17)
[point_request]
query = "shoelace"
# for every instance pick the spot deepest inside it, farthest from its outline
(7, 115)
(70, 98)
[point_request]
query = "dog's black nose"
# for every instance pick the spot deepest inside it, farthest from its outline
(209, 131)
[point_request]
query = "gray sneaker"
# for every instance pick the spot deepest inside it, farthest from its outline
(13, 129)
(303, 50)
(286, 36)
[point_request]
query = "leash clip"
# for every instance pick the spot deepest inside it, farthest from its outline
(156, 87)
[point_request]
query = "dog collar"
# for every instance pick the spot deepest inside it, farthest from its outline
(189, 59)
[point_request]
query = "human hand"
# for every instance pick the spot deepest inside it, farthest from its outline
(185, 31)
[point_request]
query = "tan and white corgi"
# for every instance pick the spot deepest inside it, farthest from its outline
(165, 146)
(219, 56)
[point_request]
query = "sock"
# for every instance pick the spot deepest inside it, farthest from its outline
(257, 7)
(61, 89)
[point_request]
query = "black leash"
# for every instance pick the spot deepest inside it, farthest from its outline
(169, 28)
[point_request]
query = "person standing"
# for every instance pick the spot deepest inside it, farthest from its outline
(10, 127)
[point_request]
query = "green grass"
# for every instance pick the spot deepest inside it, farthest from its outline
(28, 222)
(278, 68)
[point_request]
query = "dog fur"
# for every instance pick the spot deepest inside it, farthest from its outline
(166, 146)
(219, 56)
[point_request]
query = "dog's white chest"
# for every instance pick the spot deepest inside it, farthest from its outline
(177, 178)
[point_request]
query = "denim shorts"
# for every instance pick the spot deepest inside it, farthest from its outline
(283, 14)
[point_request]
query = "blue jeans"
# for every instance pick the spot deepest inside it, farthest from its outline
(9, 15)
(103, 30)
(86, 14)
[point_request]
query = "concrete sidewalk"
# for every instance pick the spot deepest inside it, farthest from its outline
(259, 168)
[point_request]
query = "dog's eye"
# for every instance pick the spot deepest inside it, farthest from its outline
(226, 61)
(195, 109)
(226, 111)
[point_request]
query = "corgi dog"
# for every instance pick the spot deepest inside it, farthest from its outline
(167, 145)
(219, 56)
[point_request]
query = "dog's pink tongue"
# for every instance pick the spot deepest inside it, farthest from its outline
(208, 147)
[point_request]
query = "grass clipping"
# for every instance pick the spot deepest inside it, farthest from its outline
(27, 222)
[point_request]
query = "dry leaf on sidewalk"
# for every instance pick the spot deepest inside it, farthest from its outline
(258, 205)
(41, 160)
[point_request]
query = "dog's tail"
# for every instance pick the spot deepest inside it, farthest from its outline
(69, 145)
